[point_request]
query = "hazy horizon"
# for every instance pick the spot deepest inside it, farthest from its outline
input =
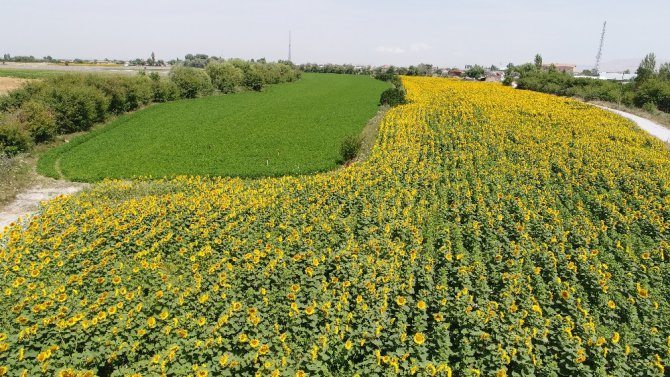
(326, 31)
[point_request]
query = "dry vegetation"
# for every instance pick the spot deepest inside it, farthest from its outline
(8, 84)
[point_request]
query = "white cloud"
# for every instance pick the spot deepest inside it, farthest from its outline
(390, 50)
(417, 47)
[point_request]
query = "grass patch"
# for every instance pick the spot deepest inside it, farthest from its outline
(369, 134)
(287, 129)
(15, 174)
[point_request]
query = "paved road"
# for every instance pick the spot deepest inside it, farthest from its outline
(651, 127)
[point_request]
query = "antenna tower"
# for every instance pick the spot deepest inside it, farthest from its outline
(289, 46)
(596, 69)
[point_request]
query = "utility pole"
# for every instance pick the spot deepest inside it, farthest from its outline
(596, 69)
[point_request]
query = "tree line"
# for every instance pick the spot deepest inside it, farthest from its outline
(649, 90)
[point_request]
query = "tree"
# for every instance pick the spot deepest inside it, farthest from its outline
(647, 68)
(538, 61)
(664, 72)
(475, 72)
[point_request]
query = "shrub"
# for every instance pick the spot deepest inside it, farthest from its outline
(139, 92)
(14, 99)
(287, 73)
(192, 82)
(650, 107)
(350, 147)
(76, 108)
(225, 76)
(124, 93)
(164, 90)
(393, 97)
(13, 140)
(655, 92)
(253, 79)
(38, 119)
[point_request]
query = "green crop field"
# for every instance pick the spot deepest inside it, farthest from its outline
(28, 73)
(287, 129)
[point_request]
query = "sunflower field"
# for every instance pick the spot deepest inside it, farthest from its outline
(492, 232)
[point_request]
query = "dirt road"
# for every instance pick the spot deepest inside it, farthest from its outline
(129, 70)
(27, 203)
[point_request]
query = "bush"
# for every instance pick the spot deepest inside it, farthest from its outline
(287, 73)
(38, 120)
(139, 92)
(13, 140)
(393, 97)
(14, 99)
(350, 147)
(225, 76)
(192, 82)
(124, 93)
(164, 90)
(76, 108)
(253, 79)
(654, 92)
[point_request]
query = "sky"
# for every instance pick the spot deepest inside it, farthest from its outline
(362, 32)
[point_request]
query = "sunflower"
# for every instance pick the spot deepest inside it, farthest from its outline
(419, 338)
(264, 350)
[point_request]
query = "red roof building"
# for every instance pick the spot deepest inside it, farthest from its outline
(569, 68)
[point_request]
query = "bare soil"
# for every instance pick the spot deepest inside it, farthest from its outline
(8, 84)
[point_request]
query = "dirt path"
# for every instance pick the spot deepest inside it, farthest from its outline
(27, 202)
(653, 128)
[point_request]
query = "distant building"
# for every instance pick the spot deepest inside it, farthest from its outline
(455, 73)
(569, 68)
(495, 76)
